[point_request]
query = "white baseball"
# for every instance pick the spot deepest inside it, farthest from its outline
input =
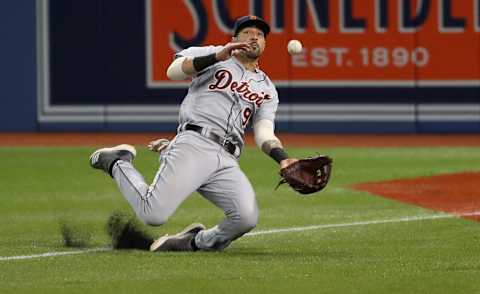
(294, 47)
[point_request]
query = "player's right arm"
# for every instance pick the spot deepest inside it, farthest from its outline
(186, 66)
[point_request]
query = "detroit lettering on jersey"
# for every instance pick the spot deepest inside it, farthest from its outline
(224, 80)
(226, 97)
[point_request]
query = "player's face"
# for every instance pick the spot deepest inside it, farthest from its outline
(255, 38)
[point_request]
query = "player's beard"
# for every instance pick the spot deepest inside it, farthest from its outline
(254, 52)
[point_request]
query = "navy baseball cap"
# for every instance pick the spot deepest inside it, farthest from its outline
(251, 21)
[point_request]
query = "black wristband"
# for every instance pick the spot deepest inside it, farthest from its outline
(278, 154)
(202, 62)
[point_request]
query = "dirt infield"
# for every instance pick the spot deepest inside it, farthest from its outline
(294, 140)
(452, 193)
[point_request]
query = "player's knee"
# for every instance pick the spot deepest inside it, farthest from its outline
(154, 220)
(247, 220)
(246, 225)
(155, 215)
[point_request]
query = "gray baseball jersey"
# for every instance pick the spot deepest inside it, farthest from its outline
(224, 98)
(227, 97)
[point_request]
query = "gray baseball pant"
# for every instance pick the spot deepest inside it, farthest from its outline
(191, 163)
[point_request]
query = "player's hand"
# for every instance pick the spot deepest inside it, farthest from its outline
(232, 49)
(158, 145)
(286, 162)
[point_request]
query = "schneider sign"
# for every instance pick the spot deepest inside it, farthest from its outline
(346, 42)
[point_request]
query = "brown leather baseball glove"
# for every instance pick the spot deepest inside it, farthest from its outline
(308, 175)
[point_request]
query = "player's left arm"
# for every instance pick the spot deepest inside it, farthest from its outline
(269, 143)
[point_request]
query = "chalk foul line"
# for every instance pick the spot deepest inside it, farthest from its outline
(362, 223)
(265, 232)
(52, 254)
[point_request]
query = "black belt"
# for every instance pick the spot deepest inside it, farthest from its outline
(227, 145)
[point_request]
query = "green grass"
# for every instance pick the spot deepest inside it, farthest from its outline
(42, 187)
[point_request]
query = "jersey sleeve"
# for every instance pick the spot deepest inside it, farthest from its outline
(268, 109)
(198, 51)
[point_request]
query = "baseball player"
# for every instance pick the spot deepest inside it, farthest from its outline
(228, 92)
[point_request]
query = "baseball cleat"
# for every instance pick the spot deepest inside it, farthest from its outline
(179, 242)
(104, 158)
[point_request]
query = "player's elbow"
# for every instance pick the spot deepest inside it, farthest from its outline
(175, 71)
(174, 75)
